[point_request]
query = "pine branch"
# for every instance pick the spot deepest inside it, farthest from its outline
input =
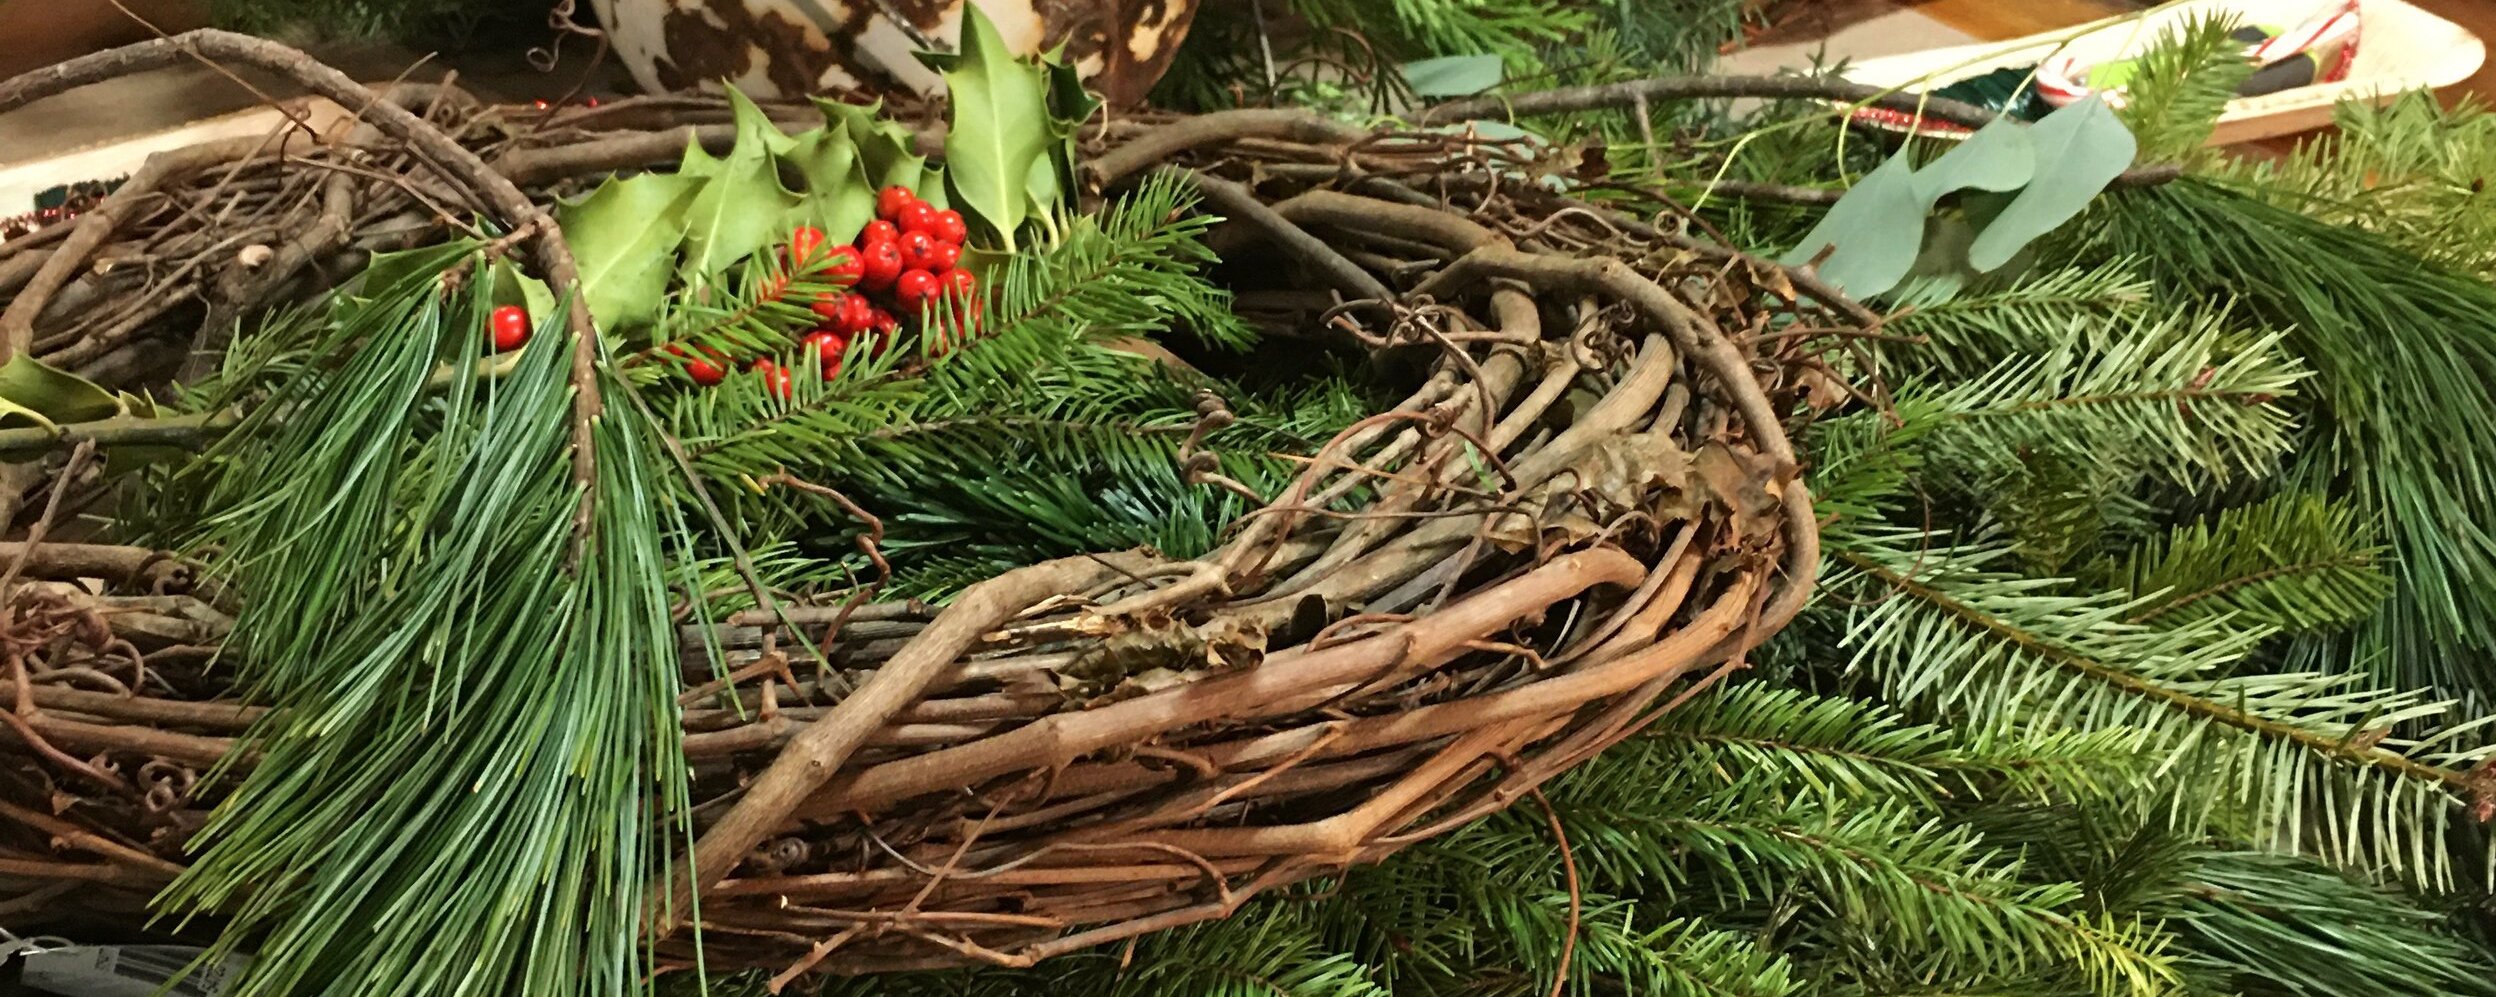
(440, 668)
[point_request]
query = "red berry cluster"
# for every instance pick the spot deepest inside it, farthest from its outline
(908, 259)
(904, 262)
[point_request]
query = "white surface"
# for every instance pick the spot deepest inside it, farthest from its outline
(2400, 48)
(20, 182)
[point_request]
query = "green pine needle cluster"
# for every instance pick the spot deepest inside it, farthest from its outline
(475, 710)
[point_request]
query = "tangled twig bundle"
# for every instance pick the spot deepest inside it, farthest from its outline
(1587, 512)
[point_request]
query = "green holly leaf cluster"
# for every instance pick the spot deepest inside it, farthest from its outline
(2009, 183)
(634, 237)
(1009, 160)
(1010, 145)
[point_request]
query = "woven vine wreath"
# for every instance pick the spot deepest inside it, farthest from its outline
(1364, 677)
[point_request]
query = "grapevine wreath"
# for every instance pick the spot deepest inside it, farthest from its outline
(610, 535)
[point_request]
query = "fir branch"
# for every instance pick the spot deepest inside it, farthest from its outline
(2405, 358)
(2172, 395)
(1967, 334)
(2291, 562)
(2412, 171)
(2182, 83)
(1946, 632)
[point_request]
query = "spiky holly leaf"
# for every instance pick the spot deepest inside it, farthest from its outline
(1000, 127)
(740, 206)
(839, 198)
(887, 152)
(36, 393)
(624, 237)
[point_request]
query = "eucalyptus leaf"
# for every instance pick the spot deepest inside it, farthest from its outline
(999, 127)
(1999, 156)
(1453, 75)
(1876, 229)
(839, 199)
(741, 206)
(624, 237)
(2080, 148)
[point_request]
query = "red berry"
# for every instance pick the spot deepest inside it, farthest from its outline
(776, 379)
(842, 265)
(828, 306)
(856, 315)
(914, 287)
(832, 367)
(702, 372)
(881, 265)
(510, 328)
(918, 216)
(917, 248)
(878, 231)
(882, 323)
(891, 200)
(803, 243)
(960, 284)
(950, 227)
(826, 345)
(942, 257)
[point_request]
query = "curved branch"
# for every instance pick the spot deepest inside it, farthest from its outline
(492, 191)
(1588, 98)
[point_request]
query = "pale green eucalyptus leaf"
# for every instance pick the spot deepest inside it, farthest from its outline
(2079, 150)
(1999, 156)
(1873, 234)
(1453, 75)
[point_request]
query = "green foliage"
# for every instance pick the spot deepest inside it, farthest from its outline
(2275, 924)
(446, 667)
(1044, 438)
(2293, 562)
(2412, 171)
(2182, 83)
(2404, 355)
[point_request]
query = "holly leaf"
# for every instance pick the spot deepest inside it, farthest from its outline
(1000, 126)
(741, 206)
(1453, 75)
(887, 151)
(624, 237)
(2080, 148)
(34, 393)
(1872, 234)
(1997, 157)
(512, 287)
(839, 199)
